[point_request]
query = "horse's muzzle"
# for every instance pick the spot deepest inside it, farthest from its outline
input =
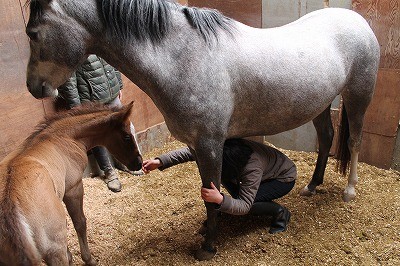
(41, 90)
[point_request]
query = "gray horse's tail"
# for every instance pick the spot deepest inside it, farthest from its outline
(342, 147)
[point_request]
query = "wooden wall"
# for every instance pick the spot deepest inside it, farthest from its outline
(383, 115)
(19, 111)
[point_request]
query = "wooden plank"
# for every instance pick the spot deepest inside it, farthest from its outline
(384, 18)
(144, 114)
(383, 114)
(183, 2)
(245, 11)
(19, 111)
(377, 150)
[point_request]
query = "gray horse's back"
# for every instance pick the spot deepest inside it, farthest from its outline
(281, 68)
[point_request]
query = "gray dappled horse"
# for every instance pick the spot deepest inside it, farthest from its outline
(214, 78)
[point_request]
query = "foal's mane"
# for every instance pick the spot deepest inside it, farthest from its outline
(89, 108)
(151, 19)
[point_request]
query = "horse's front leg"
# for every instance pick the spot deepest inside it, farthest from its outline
(73, 200)
(209, 161)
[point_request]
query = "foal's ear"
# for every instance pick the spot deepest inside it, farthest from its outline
(125, 112)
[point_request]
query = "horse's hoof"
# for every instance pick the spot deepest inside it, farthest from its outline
(349, 194)
(347, 197)
(306, 192)
(202, 254)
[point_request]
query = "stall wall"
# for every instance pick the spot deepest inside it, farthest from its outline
(19, 111)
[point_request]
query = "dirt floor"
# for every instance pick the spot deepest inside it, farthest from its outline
(155, 219)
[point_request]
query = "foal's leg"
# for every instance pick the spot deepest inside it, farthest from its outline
(323, 125)
(57, 258)
(209, 160)
(73, 200)
(56, 252)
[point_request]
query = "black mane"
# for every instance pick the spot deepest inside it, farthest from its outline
(207, 21)
(151, 19)
(35, 11)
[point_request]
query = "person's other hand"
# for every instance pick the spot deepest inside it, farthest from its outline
(150, 165)
(212, 194)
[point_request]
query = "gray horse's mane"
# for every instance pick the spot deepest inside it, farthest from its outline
(151, 19)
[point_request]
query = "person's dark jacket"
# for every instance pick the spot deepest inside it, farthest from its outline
(94, 81)
(265, 163)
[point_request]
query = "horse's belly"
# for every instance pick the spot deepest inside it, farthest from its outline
(269, 118)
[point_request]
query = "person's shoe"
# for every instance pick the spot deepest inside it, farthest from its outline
(280, 221)
(111, 179)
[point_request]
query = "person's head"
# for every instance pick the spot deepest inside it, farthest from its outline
(236, 154)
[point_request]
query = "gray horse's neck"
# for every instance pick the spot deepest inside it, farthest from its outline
(154, 67)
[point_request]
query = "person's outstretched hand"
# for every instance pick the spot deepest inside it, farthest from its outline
(150, 165)
(212, 194)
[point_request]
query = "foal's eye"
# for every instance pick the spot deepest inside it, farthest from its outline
(33, 34)
(127, 138)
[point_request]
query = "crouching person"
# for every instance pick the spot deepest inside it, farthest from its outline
(254, 175)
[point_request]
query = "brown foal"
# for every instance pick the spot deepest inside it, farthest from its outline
(47, 169)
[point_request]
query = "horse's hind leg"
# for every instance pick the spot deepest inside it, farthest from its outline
(355, 119)
(323, 125)
(356, 100)
(73, 200)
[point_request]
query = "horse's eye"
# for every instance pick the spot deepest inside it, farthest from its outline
(33, 34)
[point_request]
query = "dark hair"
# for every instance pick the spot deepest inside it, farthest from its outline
(151, 19)
(236, 154)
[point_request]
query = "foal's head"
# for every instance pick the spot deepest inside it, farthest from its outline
(119, 138)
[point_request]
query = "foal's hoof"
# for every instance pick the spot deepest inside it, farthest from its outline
(306, 192)
(202, 254)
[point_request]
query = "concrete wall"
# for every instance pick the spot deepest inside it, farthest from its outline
(277, 13)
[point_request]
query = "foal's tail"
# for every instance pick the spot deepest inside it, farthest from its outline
(17, 248)
(342, 147)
